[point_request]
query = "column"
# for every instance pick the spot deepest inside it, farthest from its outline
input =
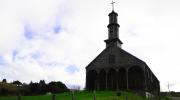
(117, 86)
(145, 79)
(98, 80)
(106, 79)
(127, 79)
(87, 87)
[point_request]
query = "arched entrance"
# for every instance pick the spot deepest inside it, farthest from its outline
(112, 80)
(122, 79)
(92, 80)
(102, 80)
(136, 78)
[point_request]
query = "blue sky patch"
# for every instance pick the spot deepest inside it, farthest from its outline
(57, 29)
(36, 55)
(28, 33)
(2, 61)
(14, 54)
(72, 69)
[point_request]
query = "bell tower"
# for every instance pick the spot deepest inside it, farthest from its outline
(113, 30)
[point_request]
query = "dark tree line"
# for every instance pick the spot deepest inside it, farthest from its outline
(18, 88)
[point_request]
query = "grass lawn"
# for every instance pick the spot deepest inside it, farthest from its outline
(82, 95)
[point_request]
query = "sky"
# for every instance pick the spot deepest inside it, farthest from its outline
(54, 40)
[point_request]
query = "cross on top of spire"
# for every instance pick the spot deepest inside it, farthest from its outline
(112, 5)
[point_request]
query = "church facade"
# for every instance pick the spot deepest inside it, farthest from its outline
(116, 69)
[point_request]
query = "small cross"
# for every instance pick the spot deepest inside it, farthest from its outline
(112, 5)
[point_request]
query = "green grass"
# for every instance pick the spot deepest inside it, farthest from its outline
(82, 95)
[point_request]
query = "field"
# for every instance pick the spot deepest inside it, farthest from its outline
(82, 95)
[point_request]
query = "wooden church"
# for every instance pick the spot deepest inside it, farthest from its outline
(116, 69)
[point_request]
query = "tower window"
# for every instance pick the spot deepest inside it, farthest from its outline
(112, 59)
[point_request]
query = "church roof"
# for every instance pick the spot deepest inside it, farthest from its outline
(126, 56)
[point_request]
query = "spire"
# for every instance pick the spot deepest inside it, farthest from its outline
(113, 29)
(112, 5)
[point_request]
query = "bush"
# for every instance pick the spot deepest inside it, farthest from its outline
(57, 87)
(8, 89)
(17, 88)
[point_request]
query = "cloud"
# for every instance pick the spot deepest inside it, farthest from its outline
(10, 33)
(72, 69)
(36, 44)
(53, 39)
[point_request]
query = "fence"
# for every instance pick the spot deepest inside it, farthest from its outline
(114, 97)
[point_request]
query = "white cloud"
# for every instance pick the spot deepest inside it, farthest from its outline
(149, 30)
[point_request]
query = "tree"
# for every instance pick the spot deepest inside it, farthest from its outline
(34, 88)
(42, 82)
(17, 83)
(16, 87)
(4, 81)
(8, 89)
(57, 87)
(42, 87)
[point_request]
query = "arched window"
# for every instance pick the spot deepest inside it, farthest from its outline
(136, 78)
(91, 83)
(112, 59)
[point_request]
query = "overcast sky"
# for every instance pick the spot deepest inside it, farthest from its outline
(57, 39)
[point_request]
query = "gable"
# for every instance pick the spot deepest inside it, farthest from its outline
(125, 57)
(122, 58)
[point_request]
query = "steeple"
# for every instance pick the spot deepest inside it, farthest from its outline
(112, 5)
(113, 29)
